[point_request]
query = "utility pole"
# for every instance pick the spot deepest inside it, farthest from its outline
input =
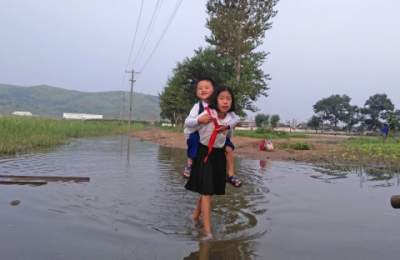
(132, 80)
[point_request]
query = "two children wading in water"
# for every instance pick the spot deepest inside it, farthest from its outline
(208, 160)
(204, 89)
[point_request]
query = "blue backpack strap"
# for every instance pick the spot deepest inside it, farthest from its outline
(201, 107)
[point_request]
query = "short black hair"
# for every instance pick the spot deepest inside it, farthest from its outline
(206, 79)
(214, 98)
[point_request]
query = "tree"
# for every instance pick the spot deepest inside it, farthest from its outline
(274, 121)
(314, 123)
(376, 109)
(173, 103)
(237, 29)
(352, 117)
(262, 120)
(179, 96)
(394, 120)
(333, 109)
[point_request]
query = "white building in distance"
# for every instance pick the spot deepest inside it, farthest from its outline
(79, 116)
(21, 113)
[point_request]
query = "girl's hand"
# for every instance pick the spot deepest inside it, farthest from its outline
(222, 128)
(204, 119)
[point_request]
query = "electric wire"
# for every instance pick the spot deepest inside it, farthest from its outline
(135, 34)
(171, 18)
(149, 29)
(122, 108)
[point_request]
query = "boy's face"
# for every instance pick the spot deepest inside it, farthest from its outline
(204, 90)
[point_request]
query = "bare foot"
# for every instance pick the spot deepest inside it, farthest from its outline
(195, 221)
(206, 237)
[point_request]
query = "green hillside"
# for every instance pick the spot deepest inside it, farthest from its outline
(51, 101)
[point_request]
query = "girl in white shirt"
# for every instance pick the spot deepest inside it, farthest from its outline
(208, 174)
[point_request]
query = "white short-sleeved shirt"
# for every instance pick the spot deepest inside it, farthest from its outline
(192, 125)
(206, 130)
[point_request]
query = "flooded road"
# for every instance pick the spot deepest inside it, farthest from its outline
(135, 207)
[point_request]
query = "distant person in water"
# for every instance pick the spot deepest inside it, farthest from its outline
(204, 88)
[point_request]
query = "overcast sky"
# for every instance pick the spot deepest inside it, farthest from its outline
(317, 48)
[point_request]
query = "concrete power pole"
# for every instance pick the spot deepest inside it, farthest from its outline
(132, 80)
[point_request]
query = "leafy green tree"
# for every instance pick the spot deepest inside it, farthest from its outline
(376, 109)
(352, 116)
(237, 29)
(179, 95)
(274, 121)
(394, 120)
(262, 120)
(333, 109)
(314, 123)
(173, 102)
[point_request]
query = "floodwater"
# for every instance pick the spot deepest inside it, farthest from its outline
(135, 207)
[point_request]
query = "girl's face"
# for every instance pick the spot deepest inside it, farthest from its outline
(204, 90)
(224, 101)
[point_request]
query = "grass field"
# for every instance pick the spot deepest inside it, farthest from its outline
(21, 134)
(374, 148)
(268, 134)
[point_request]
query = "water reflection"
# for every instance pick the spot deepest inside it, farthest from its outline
(382, 176)
(222, 250)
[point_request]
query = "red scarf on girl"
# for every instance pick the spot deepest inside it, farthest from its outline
(213, 135)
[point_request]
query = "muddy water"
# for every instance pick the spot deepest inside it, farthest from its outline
(135, 207)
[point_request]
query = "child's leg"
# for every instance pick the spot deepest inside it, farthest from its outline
(188, 168)
(197, 211)
(189, 162)
(230, 161)
(230, 167)
(193, 145)
(206, 211)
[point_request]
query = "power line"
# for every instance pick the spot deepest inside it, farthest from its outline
(135, 34)
(122, 108)
(148, 32)
(162, 34)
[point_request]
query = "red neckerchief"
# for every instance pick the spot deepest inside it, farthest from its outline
(213, 135)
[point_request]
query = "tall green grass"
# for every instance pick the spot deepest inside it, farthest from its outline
(374, 148)
(296, 146)
(21, 134)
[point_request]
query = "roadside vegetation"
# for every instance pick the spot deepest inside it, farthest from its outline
(268, 134)
(375, 150)
(21, 134)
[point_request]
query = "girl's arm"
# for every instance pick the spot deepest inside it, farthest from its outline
(233, 120)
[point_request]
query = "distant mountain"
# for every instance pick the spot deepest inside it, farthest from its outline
(51, 101)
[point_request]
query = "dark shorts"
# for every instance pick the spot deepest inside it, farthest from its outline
(229, 143)
(208, 178)
(193, 143)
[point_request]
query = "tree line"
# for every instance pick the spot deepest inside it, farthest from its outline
(264, 121)
(337, 113)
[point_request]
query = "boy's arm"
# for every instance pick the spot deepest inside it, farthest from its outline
(191, 119)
